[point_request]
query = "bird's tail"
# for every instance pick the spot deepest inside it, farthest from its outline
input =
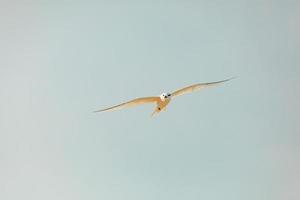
(155, 112)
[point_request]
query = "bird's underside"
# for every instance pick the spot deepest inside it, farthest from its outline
(163, 100)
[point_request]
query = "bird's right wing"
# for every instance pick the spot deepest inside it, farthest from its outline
(192, 88)
(131, 103)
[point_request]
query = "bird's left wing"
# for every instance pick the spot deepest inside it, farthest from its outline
(192, 88)
(131, 103)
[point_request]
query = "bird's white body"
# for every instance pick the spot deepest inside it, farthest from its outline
(162, 103)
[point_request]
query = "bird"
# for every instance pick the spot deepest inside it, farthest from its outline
(162, 100)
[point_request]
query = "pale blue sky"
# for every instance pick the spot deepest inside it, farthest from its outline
(61, 60)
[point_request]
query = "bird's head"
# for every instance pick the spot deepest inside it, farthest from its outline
(165, 96)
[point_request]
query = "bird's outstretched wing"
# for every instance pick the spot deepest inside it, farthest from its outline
(198, 86)
(131, 103)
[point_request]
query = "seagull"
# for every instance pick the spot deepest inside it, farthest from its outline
(162, 100)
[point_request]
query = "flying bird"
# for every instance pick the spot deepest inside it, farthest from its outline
(164, 99)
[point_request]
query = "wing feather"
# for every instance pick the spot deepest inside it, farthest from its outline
(131, 103)
(194, 87)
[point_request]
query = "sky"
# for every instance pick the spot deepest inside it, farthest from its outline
(61, 60)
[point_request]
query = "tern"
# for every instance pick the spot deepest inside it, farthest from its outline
(162, 100)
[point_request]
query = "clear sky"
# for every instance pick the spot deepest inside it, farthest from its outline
(61, 60)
